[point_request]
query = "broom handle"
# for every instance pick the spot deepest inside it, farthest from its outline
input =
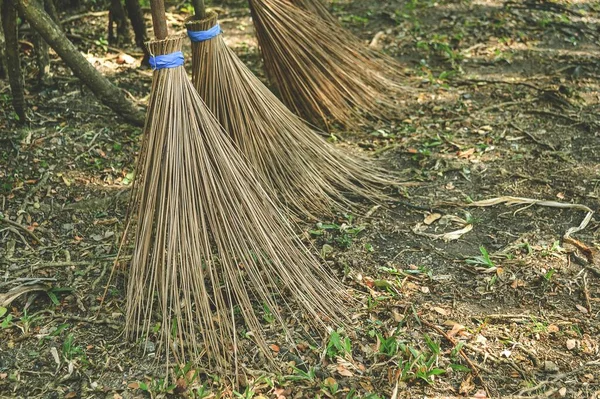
(159, 19)
(199, 9)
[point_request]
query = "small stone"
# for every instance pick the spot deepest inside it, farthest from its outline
(562, 392)
(149, 347)
(550, 367)
(571, 344)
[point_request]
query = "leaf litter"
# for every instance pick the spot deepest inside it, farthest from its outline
(507, 117)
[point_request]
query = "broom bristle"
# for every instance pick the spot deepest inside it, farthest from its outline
(310, 175)
(208, 238)
(321, 71)
(317, 7)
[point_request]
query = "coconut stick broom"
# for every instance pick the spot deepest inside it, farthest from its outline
(387, 64)
(210, 246)
(311, 176)
(317, 7)
(322, 72)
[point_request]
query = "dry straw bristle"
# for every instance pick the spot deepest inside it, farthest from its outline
(310, 175)
(208, 238)
(321, 71)
(317, 7)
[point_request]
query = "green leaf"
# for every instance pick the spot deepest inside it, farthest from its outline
(3, 311)
(53, 298)
(460, 367)
(6, 322)
(437, 372)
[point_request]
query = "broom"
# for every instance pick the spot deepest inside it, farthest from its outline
(311, 176)
(211, 248)
(321, 71)
(317, 7)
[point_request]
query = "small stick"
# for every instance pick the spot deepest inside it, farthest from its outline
(20, 226)
(199, 9)
(159, 19)
(586, 293)
(462, 353)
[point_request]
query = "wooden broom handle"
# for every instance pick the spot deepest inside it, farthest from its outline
(199, 9)
(159, 19)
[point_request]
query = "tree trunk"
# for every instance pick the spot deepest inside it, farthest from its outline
(42, 59)
(9, 24)
(116, 16)
(3, 66)
(136, 16)
(50, 8)
(107, 93)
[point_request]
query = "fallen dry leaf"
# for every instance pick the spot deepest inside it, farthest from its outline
(553, 328)
(441, 311)
(467, 386)
(343, 371)
(456, 328)
(432, 217)
(125, 59)
(582, 309)
(467, 153)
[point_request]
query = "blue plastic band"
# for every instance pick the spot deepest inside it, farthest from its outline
(204, 35)
(172, 60)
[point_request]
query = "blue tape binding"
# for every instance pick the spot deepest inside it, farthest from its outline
(172, 60)
(204, 35)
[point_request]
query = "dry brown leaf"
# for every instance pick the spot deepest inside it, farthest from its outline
(517, 283)
(553, 328)
(125, 59)
(343, 371)
(432, 217)
(441, 311)
(456, 328)
(467, 386)
(582, 309)
(467, 153)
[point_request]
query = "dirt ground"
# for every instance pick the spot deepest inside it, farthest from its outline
(457, 299)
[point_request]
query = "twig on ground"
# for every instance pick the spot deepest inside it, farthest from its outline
(532, 137)
(111, 48)
(474, 367)
(20, 227)
(7, 298)
(497, 360)
(558, 377)
(587, 251)
(586, 294)
(84, 15)
(530, 202)
(492, 81)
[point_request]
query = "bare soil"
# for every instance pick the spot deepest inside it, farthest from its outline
(506, 306)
